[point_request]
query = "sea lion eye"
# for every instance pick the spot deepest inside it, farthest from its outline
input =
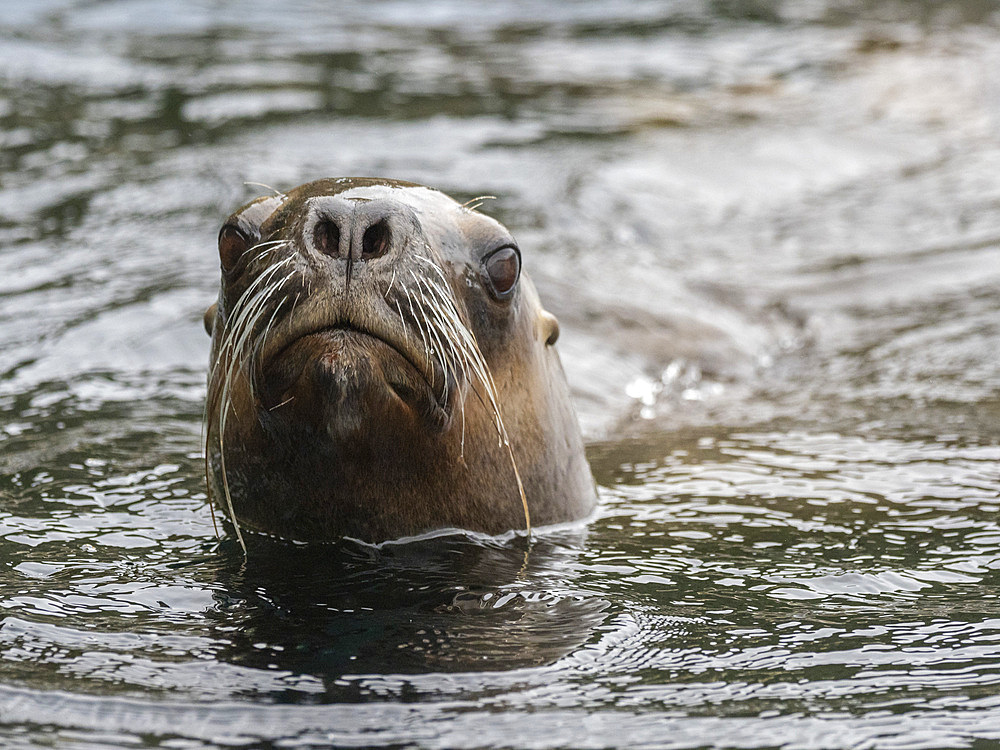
(503, 267)
(233, 244)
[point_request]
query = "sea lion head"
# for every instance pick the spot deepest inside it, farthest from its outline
(382, 367)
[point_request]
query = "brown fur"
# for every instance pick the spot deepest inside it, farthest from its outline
(330, 414)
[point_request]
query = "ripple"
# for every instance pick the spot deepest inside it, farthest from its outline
(770, 234)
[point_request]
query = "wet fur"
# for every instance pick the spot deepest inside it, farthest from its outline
(270, 287)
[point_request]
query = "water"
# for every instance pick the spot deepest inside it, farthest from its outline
(770, 231)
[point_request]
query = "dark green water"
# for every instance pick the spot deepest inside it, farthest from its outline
(771, 232)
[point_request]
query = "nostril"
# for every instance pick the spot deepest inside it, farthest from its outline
(326, 238)
(376, 240)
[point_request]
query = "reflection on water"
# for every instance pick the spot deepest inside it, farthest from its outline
(447, 605)
(770, 231)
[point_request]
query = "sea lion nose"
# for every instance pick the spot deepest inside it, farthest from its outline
(375, 239)
(331, 233)
(360, 232)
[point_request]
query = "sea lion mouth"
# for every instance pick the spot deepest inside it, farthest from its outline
(354, 361)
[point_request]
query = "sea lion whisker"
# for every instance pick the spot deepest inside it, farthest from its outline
(225, 407)
(486, 377)
(253, 288)
(478, 363)
(461, 448)
(205, 429)
(262, 248)
(232, 348)
(242, 343)
(464, 336)
(286, 401)
(452, 359)
(264, 244)
(271, 291)
(457, 359)
(241, 308)
(444, 308)
(277, 193)
(420, 328)
(481, 198)
(502, 429)
(247, 345)
(434, 266)
(444, 358)
(424, 258)
(261, 340)
(250, 306)
(451, 324)
(433, 333)
(244, 307)
(425, 328)
(392, 281)
(226, 491)
(402, 320)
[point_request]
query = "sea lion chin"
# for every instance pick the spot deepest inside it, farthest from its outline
(382, 368)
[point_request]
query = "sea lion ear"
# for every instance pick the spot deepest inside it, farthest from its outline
(548, 326)
(209, 318)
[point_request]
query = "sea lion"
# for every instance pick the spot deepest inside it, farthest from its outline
(381, 368)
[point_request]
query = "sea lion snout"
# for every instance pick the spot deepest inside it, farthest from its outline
(359, 230)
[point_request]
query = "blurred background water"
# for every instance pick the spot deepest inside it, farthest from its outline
(770, 230)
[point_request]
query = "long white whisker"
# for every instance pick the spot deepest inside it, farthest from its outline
(261, 248)
(432, 331)
(392, 281)
(278, 193)
(432, 265)
(245, 299)
(477, 363)
(247, 313)
(455, 357)
(261, 340)
(417, 319)
(243, 309)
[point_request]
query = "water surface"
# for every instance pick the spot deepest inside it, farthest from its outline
(770, 231)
